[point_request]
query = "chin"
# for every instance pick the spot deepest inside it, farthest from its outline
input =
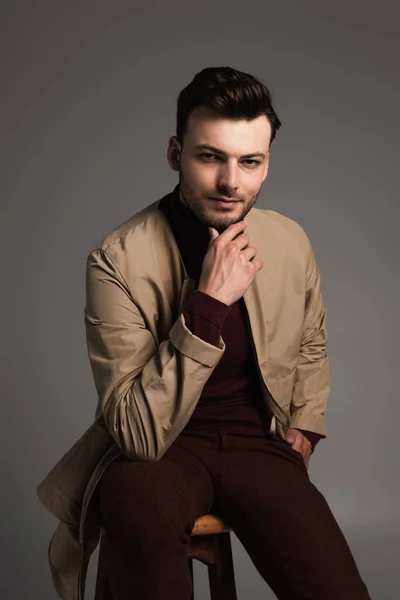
(220, 227)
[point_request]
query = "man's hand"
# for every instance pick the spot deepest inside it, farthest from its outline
(229, 265)
(300, 443)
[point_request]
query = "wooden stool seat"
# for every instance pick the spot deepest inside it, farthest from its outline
(209, 525)
(210, 543)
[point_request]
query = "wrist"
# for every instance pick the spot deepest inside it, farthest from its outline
(213, 295)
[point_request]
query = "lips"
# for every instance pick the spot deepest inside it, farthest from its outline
(225, 199)
(225, 204)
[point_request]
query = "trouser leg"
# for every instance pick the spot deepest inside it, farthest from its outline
(285, 523)
(148, 510)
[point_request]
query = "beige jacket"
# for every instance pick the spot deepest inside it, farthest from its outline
(149, 369)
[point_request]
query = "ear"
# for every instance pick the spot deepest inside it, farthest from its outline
(174, 153)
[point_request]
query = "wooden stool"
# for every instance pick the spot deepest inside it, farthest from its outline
(210, 543)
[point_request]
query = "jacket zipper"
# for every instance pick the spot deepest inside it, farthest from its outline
(279, 410)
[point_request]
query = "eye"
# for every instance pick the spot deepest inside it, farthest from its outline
(253, 162)
(206, 155)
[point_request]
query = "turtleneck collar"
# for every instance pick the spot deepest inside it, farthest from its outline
(192, 236)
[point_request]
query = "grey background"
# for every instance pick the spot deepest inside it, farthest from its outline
(88, 103)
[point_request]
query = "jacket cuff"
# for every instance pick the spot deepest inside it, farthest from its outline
(194, 347)
(308, 422)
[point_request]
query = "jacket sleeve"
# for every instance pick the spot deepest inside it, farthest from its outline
(312, 379)
(147, 391)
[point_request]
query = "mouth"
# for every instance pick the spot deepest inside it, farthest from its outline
(225, 202)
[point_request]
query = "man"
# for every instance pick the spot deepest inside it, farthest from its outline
(207, 338)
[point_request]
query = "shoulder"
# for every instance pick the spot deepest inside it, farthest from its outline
(135, 234)
(140, 247)
(130, 230)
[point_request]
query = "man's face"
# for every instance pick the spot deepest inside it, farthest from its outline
(221, 158)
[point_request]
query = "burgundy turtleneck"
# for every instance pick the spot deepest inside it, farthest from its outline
(231, 400)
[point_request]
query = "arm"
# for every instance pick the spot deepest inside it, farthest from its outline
(205, 316)
(147, 392)
(312, 382)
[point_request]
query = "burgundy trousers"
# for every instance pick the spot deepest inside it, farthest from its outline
(260, 486)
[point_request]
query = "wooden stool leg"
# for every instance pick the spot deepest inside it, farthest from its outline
(214, 550)
(190, 565)
(221, 573)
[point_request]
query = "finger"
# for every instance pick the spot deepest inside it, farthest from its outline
(213, 234)
(241, 241)
(306, 446)
(258, 263)
(297, 446)
(291, 436)
(249, 252)
(295, 435)
(232, 231)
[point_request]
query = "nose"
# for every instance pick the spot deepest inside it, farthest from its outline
(227, 179)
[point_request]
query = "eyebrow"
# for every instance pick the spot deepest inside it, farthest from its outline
(217, 151)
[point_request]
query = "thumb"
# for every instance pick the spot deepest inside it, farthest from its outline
(213, 234)
(290, 439)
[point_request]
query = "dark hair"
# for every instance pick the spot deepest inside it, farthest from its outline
(227, 92)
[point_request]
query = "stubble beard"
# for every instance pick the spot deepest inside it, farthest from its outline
(206, 216)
